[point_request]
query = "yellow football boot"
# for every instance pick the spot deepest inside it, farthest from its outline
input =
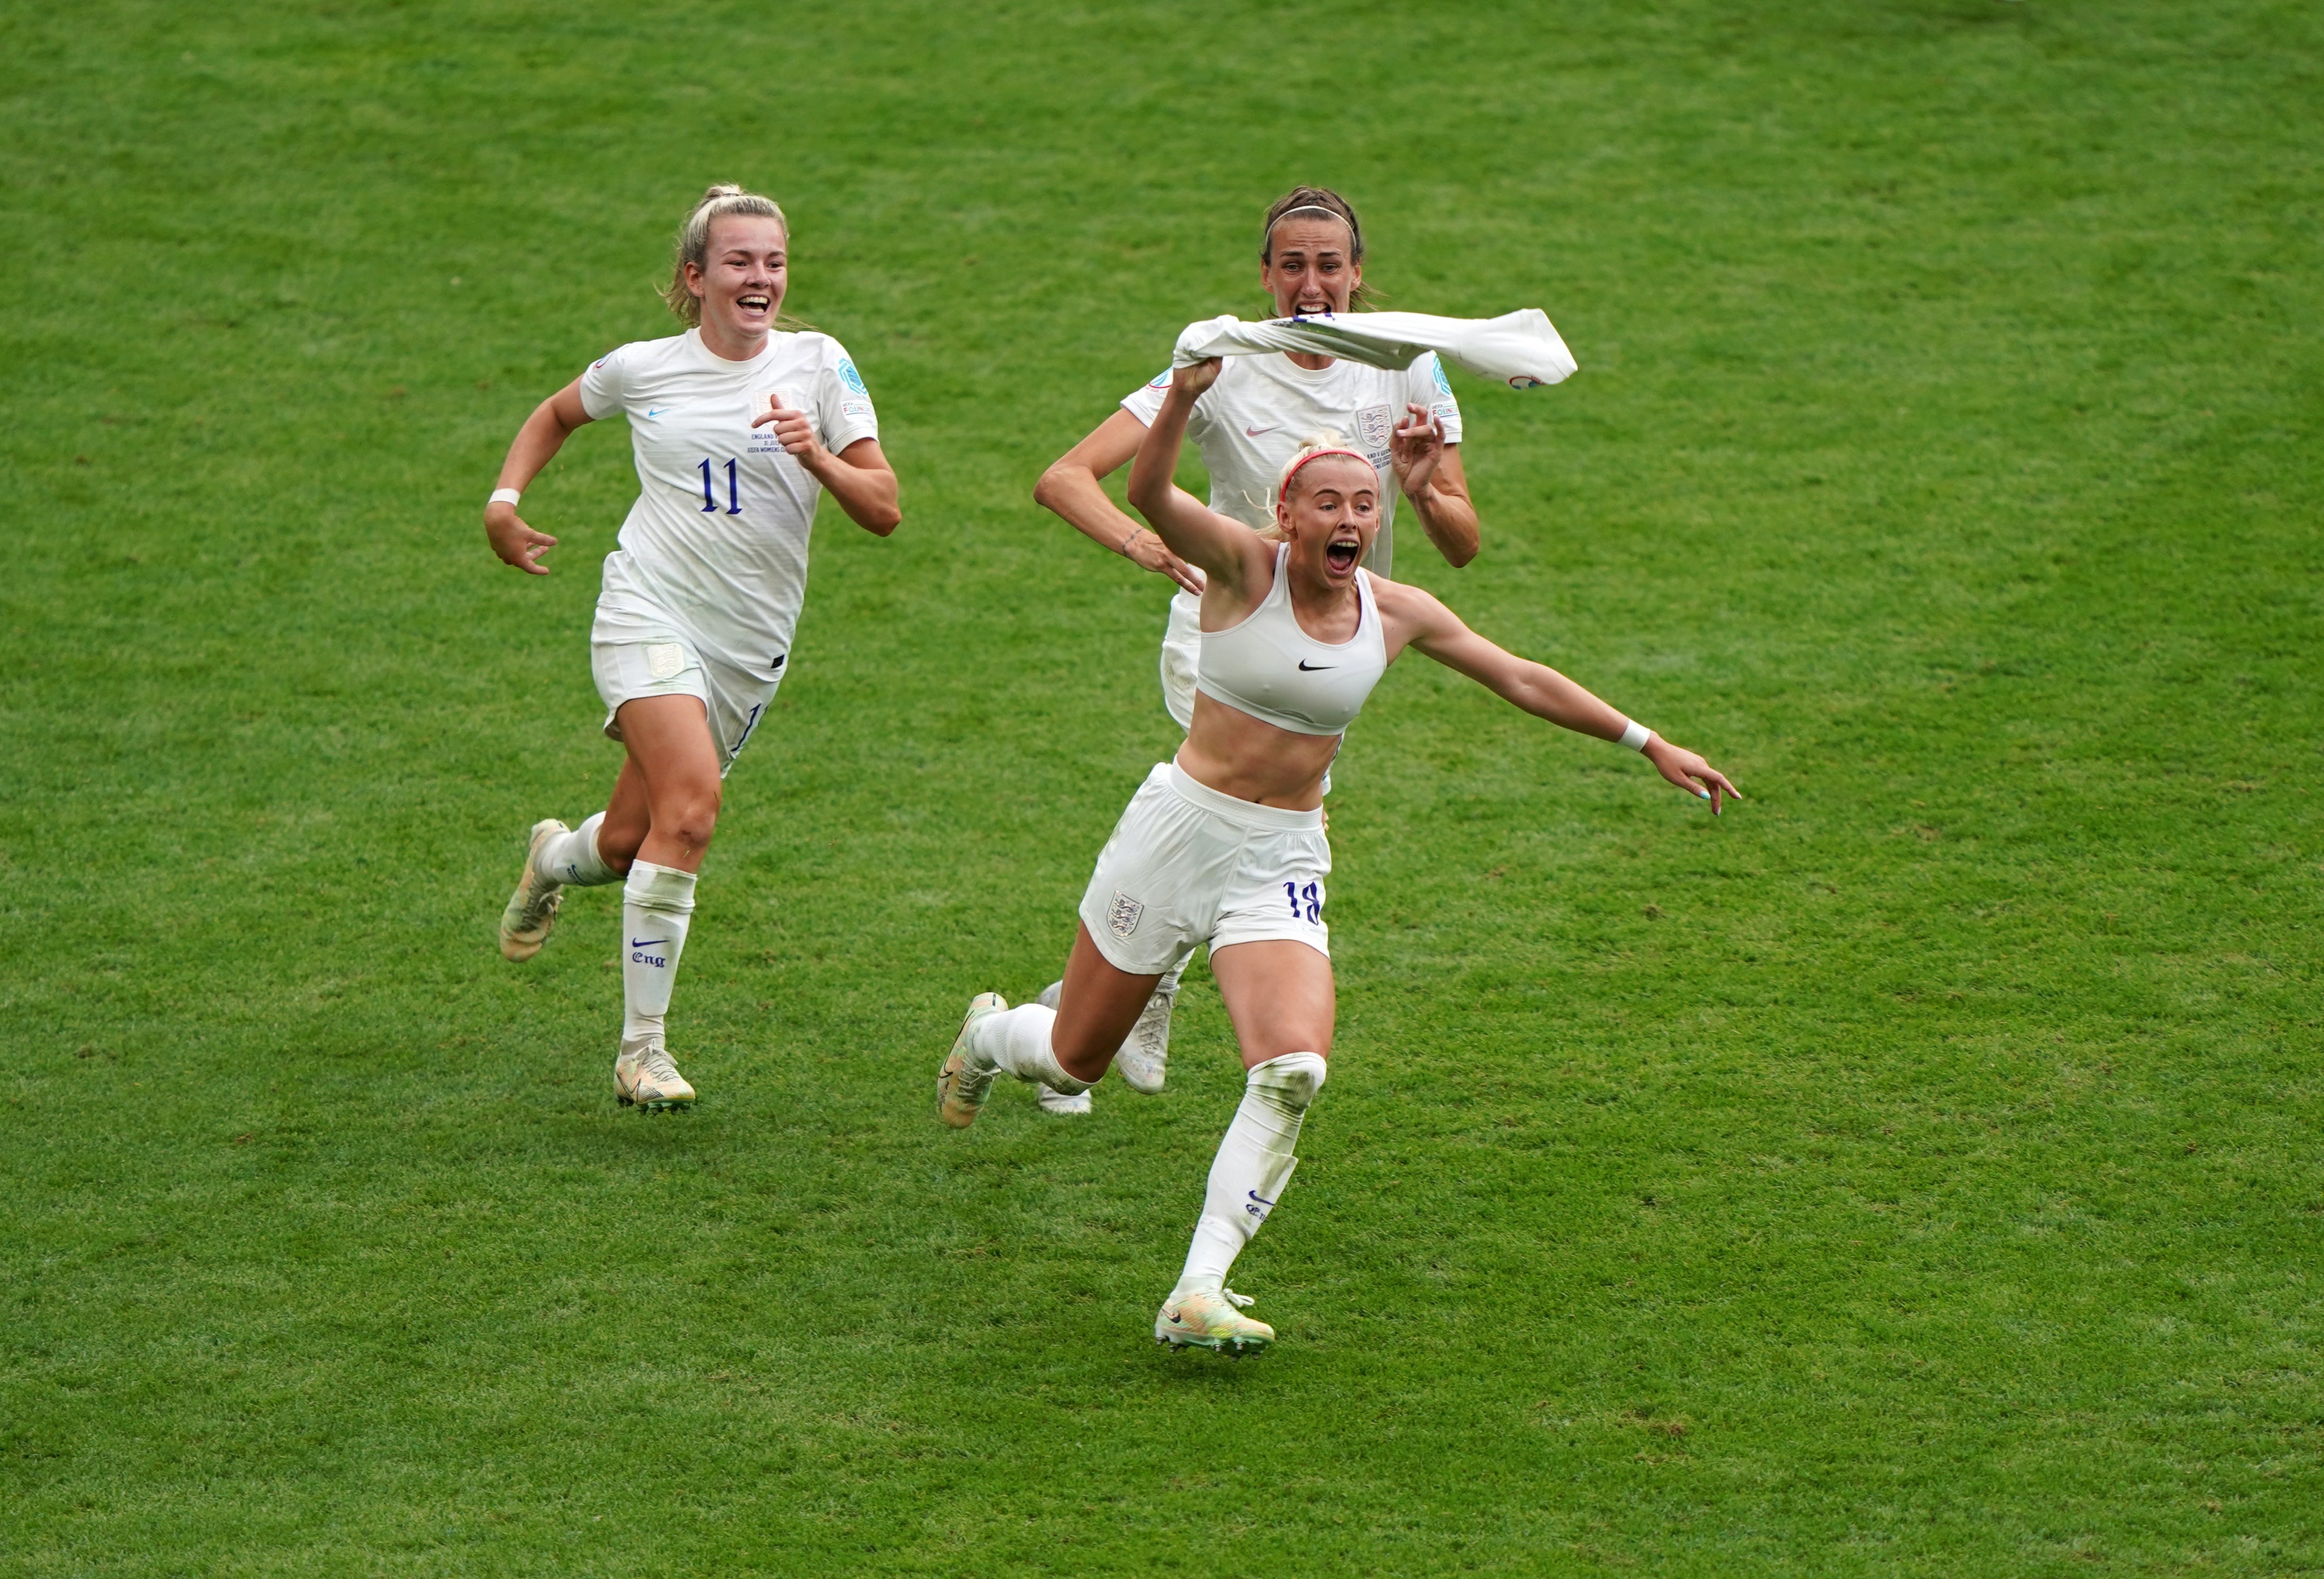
(962, 1081)
(1211, 1321)
(533, 908)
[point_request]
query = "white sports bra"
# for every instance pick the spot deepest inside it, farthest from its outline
(1268, 666)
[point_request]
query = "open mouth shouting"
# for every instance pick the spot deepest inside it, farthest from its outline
(755, 303)
(1341, 554)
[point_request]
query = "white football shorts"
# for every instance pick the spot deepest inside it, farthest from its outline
(1188, 865)
(629, 664)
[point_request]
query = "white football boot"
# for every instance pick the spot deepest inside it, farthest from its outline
(531, 910)
(1144, 1055)
(965, 1078)
(1211, 1321)
(645, 1076)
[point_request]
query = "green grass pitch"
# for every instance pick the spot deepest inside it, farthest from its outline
(1913, 1172)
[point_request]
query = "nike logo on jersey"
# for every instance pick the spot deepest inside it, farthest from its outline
(656, 410)
(1313, 668)
(1255, 432)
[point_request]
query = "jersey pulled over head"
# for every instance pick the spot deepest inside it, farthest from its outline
(1310, 256)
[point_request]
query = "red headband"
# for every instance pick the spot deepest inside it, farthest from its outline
(1285, 491)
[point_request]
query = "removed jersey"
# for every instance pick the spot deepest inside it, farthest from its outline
(718, 536)
(1251, 421)
(1521, 349)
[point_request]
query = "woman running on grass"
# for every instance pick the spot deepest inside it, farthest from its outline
(1225, 844)
(1247, 425)
(739, 425)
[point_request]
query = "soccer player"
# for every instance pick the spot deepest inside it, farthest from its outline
(739, 425)
(1225, 844)
(1311, 259)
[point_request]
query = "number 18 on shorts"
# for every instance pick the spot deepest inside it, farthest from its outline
(1187, 866)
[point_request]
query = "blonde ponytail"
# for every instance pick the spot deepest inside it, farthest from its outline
(694, 244)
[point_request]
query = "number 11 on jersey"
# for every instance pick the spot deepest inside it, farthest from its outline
(733, 494)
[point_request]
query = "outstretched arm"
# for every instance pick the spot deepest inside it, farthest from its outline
(1437, 632)
(544, 433)
(1073, 487)
(1196, 533)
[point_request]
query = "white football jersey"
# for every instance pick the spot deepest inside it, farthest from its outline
(1251, 421)
(717, 538)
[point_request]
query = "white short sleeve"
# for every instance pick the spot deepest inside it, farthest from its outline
(843, 404)
(602, 393)
(1145, 403)
(1426, 385)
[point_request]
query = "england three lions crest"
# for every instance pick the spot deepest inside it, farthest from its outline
(1373, 427)
(1122, 919)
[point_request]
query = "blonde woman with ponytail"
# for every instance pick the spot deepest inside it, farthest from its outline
(1311, 261)
(1224, 845)
(739, 427)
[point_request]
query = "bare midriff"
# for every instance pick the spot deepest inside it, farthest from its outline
(1236, 754)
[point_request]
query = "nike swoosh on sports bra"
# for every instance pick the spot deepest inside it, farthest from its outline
(1268, 666)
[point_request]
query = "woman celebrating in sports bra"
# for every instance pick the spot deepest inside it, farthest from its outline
(1248, 425)
(1225, 844)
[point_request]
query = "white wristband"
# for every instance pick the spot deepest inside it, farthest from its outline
(505, 496)
(1635, 735)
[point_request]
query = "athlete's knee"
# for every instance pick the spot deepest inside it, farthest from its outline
(1288, 1083)
(1080, 1049)
(689, 816)
(1084, 1063)
(618, 843)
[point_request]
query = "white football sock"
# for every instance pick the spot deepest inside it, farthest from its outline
(572, 858)
(1018, 1040)
(1253, 1164)
(655, 907)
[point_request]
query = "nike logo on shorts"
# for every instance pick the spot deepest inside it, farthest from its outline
(1255, 432)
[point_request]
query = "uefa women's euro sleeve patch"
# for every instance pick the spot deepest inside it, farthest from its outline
(847, 413)
(1429, 387)
(1145, 401)
(601, 385)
